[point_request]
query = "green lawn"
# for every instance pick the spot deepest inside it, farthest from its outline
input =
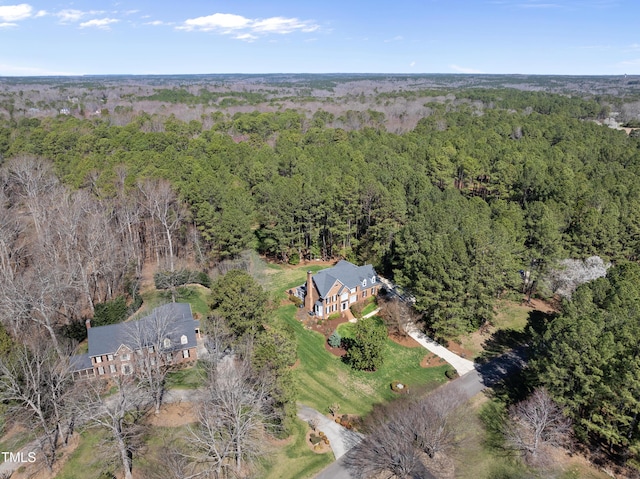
(296, 459)
(196, 295)
(478, 457)
(281, 278)
(370, 307)
(193, 377)
(85, 458)
(323, 379)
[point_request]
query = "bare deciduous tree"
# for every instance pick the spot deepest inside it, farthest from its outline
(36, 384)
(387, 450)
(163, 205)
(436, 421)
(151, 361)
(232, 421)
(119, 414)
(536, 423)
(399, 439)
(397, 315)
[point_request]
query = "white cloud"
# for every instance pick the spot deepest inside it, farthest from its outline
(8, 25)
(41, 13)
(226, 22)
(460, 69)
(99, 23)
(247, 29)
(282, 25)
(13, 13)
(398, 38)
(156, 23)
(247, 37)
(71, 15)
(412, 64)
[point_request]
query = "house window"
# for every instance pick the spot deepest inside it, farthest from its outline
(373, 280)
(100, 370)
(183, 339)
(150, 349)
(364, 283)
(110, 357)
(169, 357)
(126, 369)
(364, 294)
(98, 359)
(167, 343)
(112, 368)
(185, 353)
(126, 357)
(328, 310)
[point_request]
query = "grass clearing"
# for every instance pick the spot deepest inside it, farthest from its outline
(86, 459)
(476, 458)
(323, 378)
(193, 377)
(194, 294)
(510, 321)
(295, 459)
(280, 278)
(16, 441)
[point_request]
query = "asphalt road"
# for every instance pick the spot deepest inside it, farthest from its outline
(483, 377)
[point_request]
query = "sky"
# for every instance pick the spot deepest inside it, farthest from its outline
(95, 37)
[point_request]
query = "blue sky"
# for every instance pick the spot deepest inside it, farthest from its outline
(567, 37)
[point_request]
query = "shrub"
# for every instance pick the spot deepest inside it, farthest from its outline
(333, 316)
(295, 300)
(294, 259)
(356, 309)
(451, 373)
(110, 312)
(335, 340)
(313, 439)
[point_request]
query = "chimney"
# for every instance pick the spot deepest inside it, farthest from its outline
(309, 301)
(87, 324)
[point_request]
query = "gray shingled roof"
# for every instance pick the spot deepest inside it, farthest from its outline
(346, 273)
(80, 362)
(108, 339)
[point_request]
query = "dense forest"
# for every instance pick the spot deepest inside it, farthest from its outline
(453, 210)
(491, 184)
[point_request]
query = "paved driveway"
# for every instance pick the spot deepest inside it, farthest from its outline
(340, 438)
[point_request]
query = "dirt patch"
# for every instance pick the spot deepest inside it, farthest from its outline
(406, 341)
(459, 350)
(172, 415)
(431, 361)
(544, 306)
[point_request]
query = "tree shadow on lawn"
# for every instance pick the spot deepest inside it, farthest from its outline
(503, 340)
(502, 365)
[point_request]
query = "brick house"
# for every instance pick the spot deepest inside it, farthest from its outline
(334, 290)
(169, 330)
